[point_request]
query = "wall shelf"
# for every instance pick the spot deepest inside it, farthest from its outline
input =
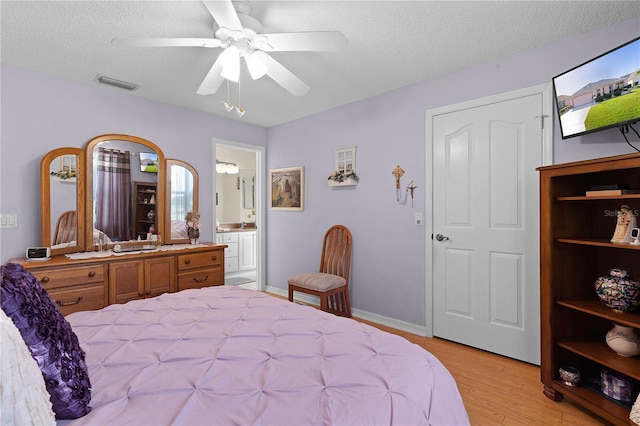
(346, 182)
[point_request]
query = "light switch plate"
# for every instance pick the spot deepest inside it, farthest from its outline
(9, 220)
(417, 219)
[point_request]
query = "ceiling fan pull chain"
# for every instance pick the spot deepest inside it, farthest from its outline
(227, 105)
(239, 109)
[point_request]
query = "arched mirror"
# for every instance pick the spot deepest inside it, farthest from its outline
(62, 202)
(182, 197)
(125, 190)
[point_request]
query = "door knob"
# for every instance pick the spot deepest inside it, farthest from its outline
(441, 237)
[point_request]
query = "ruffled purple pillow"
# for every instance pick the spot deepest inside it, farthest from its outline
(50, 339)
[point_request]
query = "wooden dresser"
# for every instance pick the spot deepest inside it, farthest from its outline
(93, 283)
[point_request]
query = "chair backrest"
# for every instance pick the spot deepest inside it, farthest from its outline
(336, 252)
(66, 228)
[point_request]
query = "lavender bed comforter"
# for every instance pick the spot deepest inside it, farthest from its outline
(227, 355)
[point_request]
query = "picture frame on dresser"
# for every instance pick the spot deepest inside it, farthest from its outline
(287, 188)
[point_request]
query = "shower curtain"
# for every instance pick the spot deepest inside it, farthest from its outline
(113, 194)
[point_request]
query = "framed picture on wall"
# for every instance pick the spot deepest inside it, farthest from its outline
(287, 188)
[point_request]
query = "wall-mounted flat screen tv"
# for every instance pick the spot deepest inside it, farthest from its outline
(149, 162)
(601, 93)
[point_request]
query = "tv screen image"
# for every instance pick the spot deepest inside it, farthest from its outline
(601, 93)
(149, 162)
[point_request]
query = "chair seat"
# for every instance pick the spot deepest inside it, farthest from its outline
(318, 281)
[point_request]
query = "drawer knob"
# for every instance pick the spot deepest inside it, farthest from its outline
(44, 280)
(73, 302)
(187, 261)
(214, 258)
(202, 280)
(92, 274)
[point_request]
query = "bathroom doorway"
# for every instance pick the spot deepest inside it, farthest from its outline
(240, 211)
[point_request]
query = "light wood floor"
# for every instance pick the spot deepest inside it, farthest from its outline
(497, 390)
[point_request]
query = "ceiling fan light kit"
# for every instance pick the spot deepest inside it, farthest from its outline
(240, 35)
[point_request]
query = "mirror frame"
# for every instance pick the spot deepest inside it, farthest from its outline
(160, 191)
(196, 189)
(45, 199)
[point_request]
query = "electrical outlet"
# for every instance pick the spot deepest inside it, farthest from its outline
(417, 218)
(9, 220)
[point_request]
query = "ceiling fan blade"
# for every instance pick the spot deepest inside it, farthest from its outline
(213, 79)
(306, 41)
(224, 14)
(283, 76)
(168, 42)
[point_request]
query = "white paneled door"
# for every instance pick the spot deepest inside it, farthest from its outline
(486, 226)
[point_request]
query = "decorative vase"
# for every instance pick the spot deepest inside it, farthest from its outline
(619, 291)
(151, 214)
(623, 340)
(570, 375)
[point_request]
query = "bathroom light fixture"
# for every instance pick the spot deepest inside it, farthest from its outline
(103, 79)
(225, 167)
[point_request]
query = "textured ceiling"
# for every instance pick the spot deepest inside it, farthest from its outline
(392, 44)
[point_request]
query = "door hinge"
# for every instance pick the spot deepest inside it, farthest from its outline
(541, 117)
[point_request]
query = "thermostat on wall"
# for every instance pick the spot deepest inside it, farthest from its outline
(38, 253)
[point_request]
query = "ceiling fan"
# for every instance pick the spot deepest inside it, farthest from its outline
(240, 35)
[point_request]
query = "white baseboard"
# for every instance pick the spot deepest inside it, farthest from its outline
(408, 327)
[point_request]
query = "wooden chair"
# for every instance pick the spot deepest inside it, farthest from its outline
(331, 283)
(66, 228)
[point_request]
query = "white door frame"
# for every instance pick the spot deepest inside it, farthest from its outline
(261, 203)
(547, 158)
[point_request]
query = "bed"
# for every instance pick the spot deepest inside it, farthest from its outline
(228, 355)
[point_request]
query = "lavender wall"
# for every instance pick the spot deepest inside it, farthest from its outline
(388, 269)
(40, 113)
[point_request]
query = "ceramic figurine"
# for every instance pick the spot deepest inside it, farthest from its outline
(625, 223)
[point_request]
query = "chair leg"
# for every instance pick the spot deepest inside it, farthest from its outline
(324, 303)
(347, 303)
(290, 294)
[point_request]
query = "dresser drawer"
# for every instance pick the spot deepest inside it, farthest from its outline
(231, 264)
(231, 250)
(229, 237)
(200, 260)
(79, 298)
(201, 278)
(66, 277)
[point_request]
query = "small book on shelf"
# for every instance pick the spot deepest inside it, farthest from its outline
(611, 192)
(609, 186)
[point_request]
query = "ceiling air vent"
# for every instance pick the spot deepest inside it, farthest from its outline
(115, 83)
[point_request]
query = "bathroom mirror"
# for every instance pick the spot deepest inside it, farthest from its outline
(62, 202)
(182, 197)
(125, 190)
(248, 192)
